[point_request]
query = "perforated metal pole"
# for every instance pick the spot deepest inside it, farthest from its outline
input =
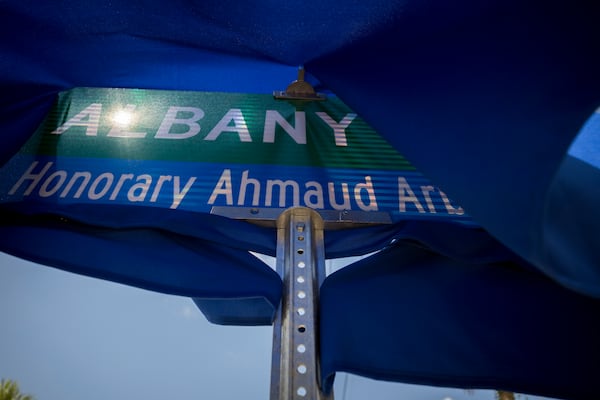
(301, 264)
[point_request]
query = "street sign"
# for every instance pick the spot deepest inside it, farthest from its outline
(200, 151)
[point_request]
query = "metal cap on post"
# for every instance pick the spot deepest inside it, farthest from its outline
(299, 90)
(301, 264)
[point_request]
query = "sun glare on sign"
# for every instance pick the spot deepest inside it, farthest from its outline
(122, 118)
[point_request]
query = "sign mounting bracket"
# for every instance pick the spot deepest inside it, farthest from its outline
(299, 90)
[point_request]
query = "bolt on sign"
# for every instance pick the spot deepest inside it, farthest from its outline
(197, 150)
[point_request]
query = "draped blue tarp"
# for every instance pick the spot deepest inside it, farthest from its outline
(484, 98)
(438, 317)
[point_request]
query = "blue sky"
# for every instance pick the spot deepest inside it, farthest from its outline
(69, 337)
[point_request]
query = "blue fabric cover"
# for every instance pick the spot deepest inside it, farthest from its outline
(147, 258)
(486, 107)
(410, 314)
(484, 98)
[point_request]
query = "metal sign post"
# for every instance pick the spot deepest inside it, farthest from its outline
(301, 264)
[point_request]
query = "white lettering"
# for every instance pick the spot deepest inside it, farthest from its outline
(88, 118)
(316, 192)
(339, 128)
(449, 207)
(158, 187)
(406, 195)
(141, 187)
(120, 182)
(178, 194)
(86, 179)
(108, 177)
(171, 118)
(45, 191)
(255, 194)
(273, 118)
(28, 175)
(345, 196)
(103, 183)
(224, 125)
(368, 187)
(426, 190)
(282, 192)
(224, 188)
